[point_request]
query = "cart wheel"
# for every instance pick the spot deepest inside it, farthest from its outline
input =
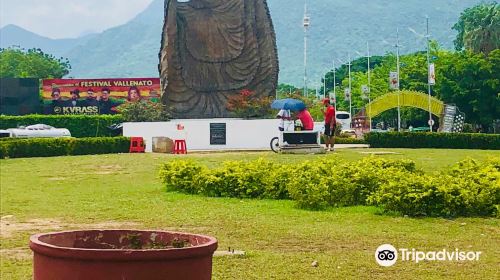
(275, 144)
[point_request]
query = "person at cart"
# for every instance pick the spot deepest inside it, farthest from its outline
(306, 119)
(330, 124)
(283, 115)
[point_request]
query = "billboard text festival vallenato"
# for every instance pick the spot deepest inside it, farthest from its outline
(96, 96)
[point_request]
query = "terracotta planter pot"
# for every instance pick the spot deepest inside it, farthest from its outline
(122, 254)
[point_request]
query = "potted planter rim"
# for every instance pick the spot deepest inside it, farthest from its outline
(122, 254)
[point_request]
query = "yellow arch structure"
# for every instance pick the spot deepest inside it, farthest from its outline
(407, 98)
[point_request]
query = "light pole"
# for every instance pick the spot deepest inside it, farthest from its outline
(369, 84)
(399, 81)
(335, 85)
(427, 36)
(350, 89)
(348, 64)
(324, 85)
(306, 22)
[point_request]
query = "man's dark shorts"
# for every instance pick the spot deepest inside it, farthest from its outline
(329, 132)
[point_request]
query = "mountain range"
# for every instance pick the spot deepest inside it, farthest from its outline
(338, 27)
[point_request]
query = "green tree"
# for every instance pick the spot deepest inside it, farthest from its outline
(286, 91)
(472, 82)
(33, 63)
(479, 28)
(144, 111)
(358, 65)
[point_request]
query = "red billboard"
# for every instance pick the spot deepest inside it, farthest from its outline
(96, 96)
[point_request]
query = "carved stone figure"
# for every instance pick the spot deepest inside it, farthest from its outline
(212, 49)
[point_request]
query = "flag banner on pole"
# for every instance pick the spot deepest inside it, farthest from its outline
(365, 89)
(393, 80)
(432, 74)
(347, 93)
(332, 97)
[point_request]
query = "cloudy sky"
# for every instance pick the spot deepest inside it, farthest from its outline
(68, 18)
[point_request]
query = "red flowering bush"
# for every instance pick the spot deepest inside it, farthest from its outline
(247, 105)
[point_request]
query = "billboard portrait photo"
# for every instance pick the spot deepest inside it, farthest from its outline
(96, 96)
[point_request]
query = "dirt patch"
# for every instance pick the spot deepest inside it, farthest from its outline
(9, 226)
(105, 225)
(17, 254)
(110, 167)
(56, 179)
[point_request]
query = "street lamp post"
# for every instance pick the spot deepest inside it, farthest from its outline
(306, 22)
(369, 85)
(427, 36)
(335, 85)
(324, 85)
(350, 88)
(348, 64)
(398, 68)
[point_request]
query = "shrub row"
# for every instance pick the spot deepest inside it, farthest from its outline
(433, 140)
(346, 140)
(49, 147)
(79, 125)
(468, 189)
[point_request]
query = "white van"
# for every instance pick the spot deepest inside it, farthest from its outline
(344, 118)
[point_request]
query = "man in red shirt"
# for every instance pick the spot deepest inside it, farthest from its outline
(306, 119)
(330, 124)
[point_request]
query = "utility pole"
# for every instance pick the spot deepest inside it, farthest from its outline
(306, 22)
(350, 89)
(399, 81)
(335, 85)
(324, 86)
(429, 72)
(369, 84)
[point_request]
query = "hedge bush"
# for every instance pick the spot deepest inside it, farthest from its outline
(468, 189)
(433, 140)
(344, 140)
(312, 184)
(80, 126)
(49, 147)
(255, 179)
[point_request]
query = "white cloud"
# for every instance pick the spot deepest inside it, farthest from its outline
(68, 18)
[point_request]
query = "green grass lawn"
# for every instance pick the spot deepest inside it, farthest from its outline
(281, 241)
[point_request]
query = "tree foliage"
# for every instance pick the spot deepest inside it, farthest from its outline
(32, 63)
(247, 105)
(469, 80)
(144, 111)
(472, 82)
(479, 28)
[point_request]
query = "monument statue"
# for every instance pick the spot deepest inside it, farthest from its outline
(212, 49)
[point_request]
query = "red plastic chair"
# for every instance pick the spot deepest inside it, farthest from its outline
(180, 147)
(137, 145)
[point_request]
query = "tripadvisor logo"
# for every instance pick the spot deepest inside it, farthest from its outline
(387, 255)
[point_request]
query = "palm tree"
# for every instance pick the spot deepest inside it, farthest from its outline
(479, 28)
